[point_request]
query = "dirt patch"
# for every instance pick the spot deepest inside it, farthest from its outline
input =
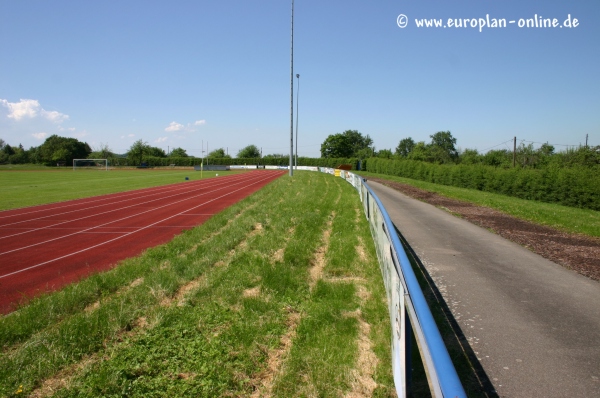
(577, 252)
(243, 245)
(184, 290)
(92, 307)
(363, 383)
(277, 256)
(136, 282)
(254, 292)
(264, 380)
(360, 250)
(318, 261)
(95, 305)
(62, 378)
(220, 230)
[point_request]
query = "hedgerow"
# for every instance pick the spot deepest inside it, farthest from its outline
(575, 186)
(152, 161)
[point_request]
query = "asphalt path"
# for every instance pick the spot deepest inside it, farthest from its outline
(534, 325)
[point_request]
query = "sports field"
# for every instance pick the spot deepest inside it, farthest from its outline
(29, 186)
(45, 247)
(277, 295)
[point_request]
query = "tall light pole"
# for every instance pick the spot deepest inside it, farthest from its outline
(292, 95)
(297, 114)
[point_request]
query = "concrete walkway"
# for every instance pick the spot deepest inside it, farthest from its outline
(534, 325)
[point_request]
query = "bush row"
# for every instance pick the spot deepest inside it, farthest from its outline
(191, 161)
(575, 187)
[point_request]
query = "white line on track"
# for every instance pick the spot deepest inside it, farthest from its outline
(127, 234)
(136, 194)
(101, 198)
(107, 223)
(223, 186)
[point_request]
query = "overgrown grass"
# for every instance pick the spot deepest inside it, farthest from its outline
(208, 314)
(35, 186)
(569, 219)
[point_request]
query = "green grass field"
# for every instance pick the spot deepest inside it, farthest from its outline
(570, 219)
(278, 295)
(30, 186)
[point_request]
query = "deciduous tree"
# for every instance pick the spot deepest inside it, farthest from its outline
(348, 144)
(385, 153)
(178, 153)
(405, 147)
(444, 147)
(137, 152)
(102, 152)
(251, 151)
(156, 152)
(219, 154)
(57, 149)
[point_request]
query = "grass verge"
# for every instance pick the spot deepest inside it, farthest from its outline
(569, 219)
(279, 294)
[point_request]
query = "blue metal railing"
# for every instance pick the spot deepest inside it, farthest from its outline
(407, 304)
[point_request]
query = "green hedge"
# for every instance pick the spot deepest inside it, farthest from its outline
(191, 161)
(575, 187)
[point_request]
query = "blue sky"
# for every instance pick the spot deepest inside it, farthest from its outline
(187, 73)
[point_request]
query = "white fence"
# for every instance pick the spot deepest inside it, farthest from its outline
(409, 312)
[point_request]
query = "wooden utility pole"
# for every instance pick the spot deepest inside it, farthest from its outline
(586, 138)
(514, 151)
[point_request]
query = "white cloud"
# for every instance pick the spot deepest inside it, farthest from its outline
(39, 136)
(161, 139)
(23, 108)
(174, 126)
(54, 116)
(189, 128)
(28, 108)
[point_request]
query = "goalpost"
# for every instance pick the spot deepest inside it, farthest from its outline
(90, 164)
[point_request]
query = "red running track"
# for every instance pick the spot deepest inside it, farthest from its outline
(45, 247)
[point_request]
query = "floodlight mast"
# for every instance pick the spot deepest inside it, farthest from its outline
(292, 96)
(297, 114)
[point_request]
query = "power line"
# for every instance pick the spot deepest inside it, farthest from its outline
(542, 143)
(495, 146)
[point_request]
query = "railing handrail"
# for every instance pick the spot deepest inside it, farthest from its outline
(421, 318)
(440, 370)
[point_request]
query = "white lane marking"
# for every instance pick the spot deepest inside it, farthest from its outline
(113, 210)
(103, 197)
(159, 190)
(108, 223)
(127, 234)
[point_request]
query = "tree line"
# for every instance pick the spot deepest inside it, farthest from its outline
(61, 151)
(442, 149)
(350, 144)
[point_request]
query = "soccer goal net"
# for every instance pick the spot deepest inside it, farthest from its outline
(90, 164)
